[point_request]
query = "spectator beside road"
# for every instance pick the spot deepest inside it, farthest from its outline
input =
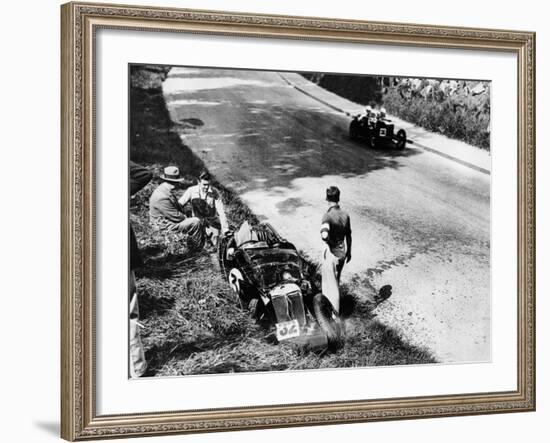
(336, 233)
(206, 205)
(166, 213)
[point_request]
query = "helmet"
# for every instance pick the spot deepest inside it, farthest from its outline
(382, 112)
(368, 109)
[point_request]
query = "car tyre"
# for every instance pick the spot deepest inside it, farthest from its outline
(401, 139)
(222, 251)
(329, 321)
(235, 278)
(353, 132)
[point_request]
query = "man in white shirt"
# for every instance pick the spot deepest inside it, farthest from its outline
(207, 206)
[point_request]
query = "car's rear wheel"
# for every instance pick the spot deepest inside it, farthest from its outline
(401, 139)
(328, 320)
(235, 278)
(353, 131)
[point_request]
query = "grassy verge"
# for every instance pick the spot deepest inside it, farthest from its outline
(191, 322)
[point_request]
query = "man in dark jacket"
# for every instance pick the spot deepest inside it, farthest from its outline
(166, 213)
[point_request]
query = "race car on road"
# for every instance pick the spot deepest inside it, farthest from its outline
(377, 131)
(266, 274)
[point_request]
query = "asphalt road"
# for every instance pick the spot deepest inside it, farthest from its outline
(420, 222)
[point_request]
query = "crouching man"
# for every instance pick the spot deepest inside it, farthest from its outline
(336, 233)
(165, 213)
(206, 205)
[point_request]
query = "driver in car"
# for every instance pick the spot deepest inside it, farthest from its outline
(364, 117)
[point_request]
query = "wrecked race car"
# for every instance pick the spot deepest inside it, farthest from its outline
(266, 274)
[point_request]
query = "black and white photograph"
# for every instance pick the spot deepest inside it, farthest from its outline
(284, 221)
(275, 221)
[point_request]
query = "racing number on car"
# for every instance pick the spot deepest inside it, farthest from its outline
(287, 329)
(235, 278)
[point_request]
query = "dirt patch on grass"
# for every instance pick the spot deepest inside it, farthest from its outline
(190, 317)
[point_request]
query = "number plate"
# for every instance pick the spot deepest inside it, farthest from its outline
(287, 329)
(383, 132)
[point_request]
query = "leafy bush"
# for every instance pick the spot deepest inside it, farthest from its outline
(459, 116)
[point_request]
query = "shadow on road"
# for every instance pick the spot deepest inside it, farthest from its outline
(258, 137)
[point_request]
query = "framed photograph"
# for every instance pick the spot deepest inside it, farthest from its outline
(277, 221)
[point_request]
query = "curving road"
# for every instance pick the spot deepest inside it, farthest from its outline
(420, 222)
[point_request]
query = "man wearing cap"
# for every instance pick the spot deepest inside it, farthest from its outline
(207, 206)
(336, 233)
(166, 213)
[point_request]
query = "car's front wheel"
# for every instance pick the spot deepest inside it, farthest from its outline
(329, 321)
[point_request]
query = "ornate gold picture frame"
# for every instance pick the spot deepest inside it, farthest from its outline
(80, 22)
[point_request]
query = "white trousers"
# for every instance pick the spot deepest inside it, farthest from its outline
(331, 269)
(138, 364)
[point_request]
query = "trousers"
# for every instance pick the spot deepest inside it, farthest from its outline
(212, 229)
(138, 364)
(193, 227)
(331, 270)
